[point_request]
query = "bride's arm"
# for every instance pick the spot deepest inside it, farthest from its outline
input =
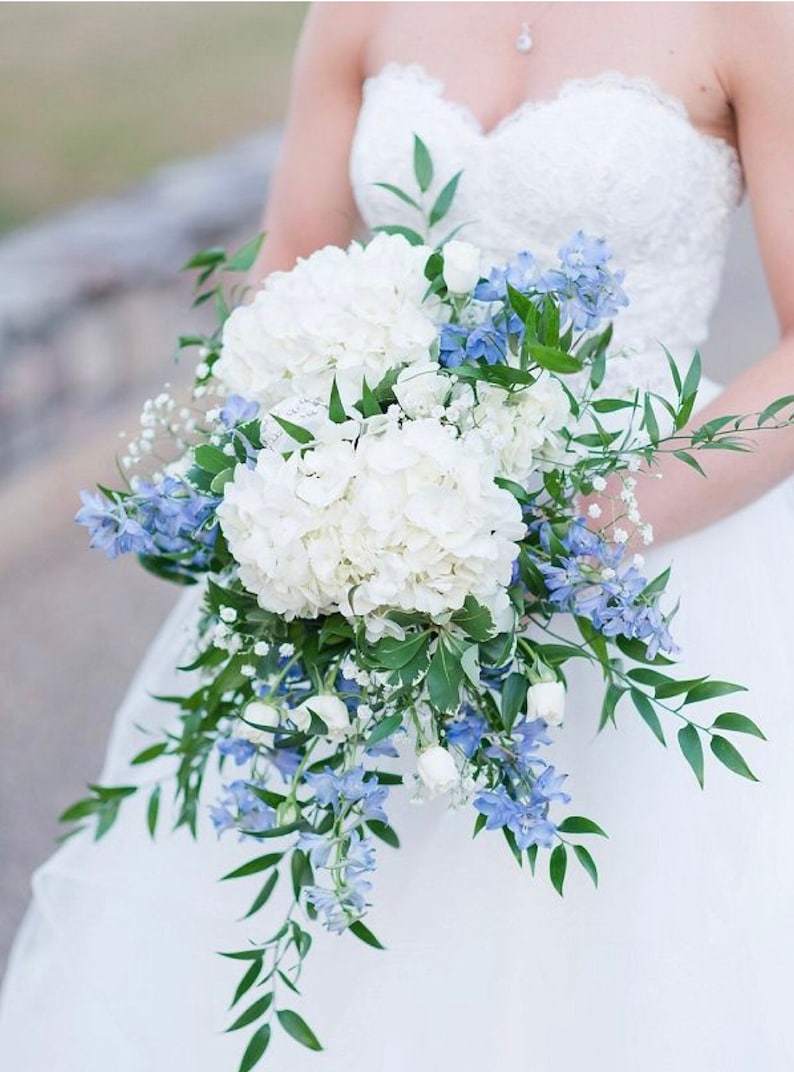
(760, 83)
(310, 203)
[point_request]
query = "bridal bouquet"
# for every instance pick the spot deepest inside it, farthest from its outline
(379, 484)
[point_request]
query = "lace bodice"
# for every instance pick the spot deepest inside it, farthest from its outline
(612, 155)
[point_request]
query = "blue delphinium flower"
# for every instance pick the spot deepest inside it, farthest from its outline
(112, 525)
(466, 733)
(352, 787)
(595, 582)
(452, 346)
(237, 410)
(526, 818)
(238, 748)
(176, 516)
(345, 903)
(240, 808)
(285, 760)
(587, 289)
(488, 341)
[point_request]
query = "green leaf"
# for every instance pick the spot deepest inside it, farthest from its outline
(153, 811)
(254, 867)
(692, 749)
(532, 856)
(253, 1012)
(369, 407)
(247, 981)
(207, 258)
(255, 1048)
(731, 757)
(385, 728)
(736, 723)
(297, 1027)
(336, 411)
(263, 896)
(403, 196)
(444, 677)
(611, 405)
(520, 302)
(667, 689)
(443, 202)
(649, 420)
(693, 463)
(648, 714)
(407, 233)
(689, 392)
(148, 754)
(300, 872)
(475, 620)
(598, 371)
(611, 699)
(392, 653)
(587, 862)
(514, 694)
(774, 408)
(294, 431)
(554, 360)
(558, 865)
(211, 458)
(578, 824)
(220, 480)
(365, 934)
(657, 585)
(644, 676)
(423, 164)
(245, 256)
(708, 690)
(384, 832)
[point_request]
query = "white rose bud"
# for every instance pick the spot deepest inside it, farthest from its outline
(461, 266)
(265, 714)
(437, 769)
(546, 700)
(330, 709)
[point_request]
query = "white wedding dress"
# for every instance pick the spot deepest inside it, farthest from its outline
(683, 960)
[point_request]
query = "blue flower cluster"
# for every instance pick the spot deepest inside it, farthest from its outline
(347, 900)
(352, 787)
(586, 289)
(593, 581)
(525, 815)
(239, 808)
(165, 518)
(285, 760)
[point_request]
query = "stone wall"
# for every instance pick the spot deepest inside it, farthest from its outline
(88, 297)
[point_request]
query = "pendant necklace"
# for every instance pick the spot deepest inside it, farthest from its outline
(524, 40)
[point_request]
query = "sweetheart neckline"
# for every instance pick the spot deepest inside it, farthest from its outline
(613, 78)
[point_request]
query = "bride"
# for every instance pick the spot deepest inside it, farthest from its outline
(641, 123)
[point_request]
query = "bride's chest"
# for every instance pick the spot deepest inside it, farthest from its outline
(611, 155)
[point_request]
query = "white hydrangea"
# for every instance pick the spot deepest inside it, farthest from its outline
(406, 517)
(421, 388)
(522, 428)
(351, 313)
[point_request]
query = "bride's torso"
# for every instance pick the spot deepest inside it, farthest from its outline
(610, 154)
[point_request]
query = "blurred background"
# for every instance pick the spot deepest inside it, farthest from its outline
(131, 135)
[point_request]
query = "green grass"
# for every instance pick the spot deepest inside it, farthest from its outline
(94, 95)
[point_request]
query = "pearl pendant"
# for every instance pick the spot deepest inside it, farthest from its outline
(524, 39)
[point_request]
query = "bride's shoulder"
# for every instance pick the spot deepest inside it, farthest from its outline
(755, 46)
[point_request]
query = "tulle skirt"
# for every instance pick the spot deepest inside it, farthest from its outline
(682, 960)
